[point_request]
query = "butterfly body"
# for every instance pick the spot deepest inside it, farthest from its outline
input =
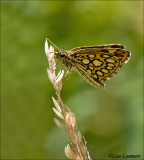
(95, 63)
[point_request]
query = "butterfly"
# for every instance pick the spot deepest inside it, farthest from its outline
(95, 63)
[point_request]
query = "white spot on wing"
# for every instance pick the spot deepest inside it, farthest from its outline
(97, 63)
(99, 73)
(85, 61)
(89, 71)
(104, 70)
(110, 60)
(109, 67)
(110, 64)
(91, 56)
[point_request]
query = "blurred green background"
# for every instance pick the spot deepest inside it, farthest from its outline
(111, 120)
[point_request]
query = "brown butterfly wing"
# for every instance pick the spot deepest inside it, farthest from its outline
(99, 64)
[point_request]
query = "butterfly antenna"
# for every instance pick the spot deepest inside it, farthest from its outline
(52, 43)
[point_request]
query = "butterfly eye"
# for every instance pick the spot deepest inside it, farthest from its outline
(62, 54)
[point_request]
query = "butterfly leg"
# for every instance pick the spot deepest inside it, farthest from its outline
(68, 71)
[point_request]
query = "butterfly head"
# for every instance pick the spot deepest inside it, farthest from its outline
(61, 53)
